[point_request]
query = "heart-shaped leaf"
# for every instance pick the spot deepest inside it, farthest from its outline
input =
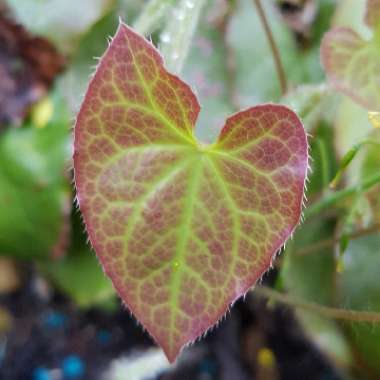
(352, 64)
(183, 229)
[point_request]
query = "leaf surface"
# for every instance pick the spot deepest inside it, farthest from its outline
(35, 195)
(361, 292)
(67, 273)
(352, 64)
(183, 229)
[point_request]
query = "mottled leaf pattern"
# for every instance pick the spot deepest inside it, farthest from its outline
(352, 64)
(183, 229)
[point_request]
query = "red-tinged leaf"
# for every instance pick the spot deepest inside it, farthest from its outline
(183, 229)
(352, 64)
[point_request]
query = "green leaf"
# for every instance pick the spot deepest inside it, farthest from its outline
(183, 229)
(73, 82)
(79, 274)
(34, 188)
(309, 274)
(359, 290)
(152, 15)
(308, 271)
(370, 166)
(352, 64)
(347, 158)
(177, 35)
(351, 126)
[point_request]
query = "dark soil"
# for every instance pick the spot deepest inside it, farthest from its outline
(47, 330)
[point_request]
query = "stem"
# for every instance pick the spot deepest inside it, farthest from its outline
(152, 15)
(329, 312)
(324, 162)
(326, 243)
(275, 52)
(333, 198)
(176, 37)
(348, 158)
(230, 61)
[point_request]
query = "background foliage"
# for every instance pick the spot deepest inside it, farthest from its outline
(333, 258)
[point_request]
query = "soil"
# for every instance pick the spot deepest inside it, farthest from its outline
(47, 329)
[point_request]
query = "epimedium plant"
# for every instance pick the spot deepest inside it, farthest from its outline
(183, 229)
(330, 264)
(352, 63)
(339, 265)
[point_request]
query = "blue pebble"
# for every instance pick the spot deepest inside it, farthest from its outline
(328, 376)
(2, 350)
(104, 336)
(41, 373)
(55, 319)
(207, 367)
(73, 367)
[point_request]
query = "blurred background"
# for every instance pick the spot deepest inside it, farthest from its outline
(59, 315)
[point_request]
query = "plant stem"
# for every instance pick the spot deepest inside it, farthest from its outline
(331, 199)
(326, 243)
(152, 15)
(176, 37)
(329, 312)
(275, 52)
(230, 61)
(322, 149)
(348, 158)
